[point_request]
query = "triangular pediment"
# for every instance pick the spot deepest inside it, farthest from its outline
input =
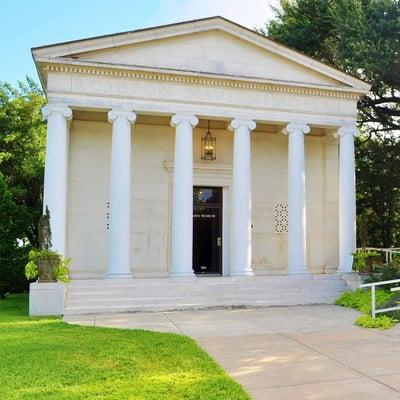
(211, 46)
(212, 52)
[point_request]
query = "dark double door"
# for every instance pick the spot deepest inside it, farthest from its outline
(207, 230)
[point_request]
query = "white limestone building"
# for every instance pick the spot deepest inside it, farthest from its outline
(270, 220)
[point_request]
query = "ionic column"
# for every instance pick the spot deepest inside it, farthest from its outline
(296, 199)
(120, 194)
(182, 200)
(347, 198)
(241, 198)
(56, 172)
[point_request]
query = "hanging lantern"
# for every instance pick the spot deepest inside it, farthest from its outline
(208, 146)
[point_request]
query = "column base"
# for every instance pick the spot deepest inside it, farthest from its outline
(347, 264)
(242, 274)
(113, 275)
(182, 276)
(297, 270)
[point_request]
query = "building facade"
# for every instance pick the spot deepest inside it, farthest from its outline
(129, 191)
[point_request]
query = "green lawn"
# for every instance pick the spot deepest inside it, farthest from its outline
(44, 358)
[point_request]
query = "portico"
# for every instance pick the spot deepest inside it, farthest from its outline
(119, 207)
(125, 117)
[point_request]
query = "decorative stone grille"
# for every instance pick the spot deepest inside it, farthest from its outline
(281, 218)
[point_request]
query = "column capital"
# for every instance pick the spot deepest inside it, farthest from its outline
(237, 122)
(54, 108)
(296, 127)
(348, 130)
(121, 113)
(183, 117)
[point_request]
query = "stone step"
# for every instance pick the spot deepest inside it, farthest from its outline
(169, 304)
(190, 290)
(214, 281)
(215, 292)
(98, 296)
(200, 281)
(87, 297)
(199, 302)
(179, 305)
(239, 284)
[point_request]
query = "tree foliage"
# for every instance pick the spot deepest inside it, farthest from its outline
(362, 38)
(378, 190)
(22, 146)
(13, 252)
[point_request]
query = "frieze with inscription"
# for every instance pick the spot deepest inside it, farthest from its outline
(173, 91)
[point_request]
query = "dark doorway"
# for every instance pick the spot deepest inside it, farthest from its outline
(207, 230)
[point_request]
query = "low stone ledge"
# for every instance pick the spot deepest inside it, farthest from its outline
(352, 279)
(46, 298)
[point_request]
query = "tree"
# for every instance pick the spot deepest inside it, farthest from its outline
(13, 249)
(22, 148)
(378, 190)
(360, 37)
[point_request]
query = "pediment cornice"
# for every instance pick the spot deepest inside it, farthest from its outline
(73, 48)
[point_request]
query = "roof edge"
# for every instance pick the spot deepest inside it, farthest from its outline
(106, 41)
(133, 31)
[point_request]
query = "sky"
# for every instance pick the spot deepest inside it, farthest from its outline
(30, 23)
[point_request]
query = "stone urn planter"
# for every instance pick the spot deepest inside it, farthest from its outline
(47, 263)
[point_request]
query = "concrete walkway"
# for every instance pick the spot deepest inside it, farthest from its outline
(307, 352)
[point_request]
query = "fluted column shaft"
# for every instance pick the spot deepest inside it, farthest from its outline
(347, 198)
(182, 197)
(296, 199)
(241, 198)
(119, 234)
(56, 172)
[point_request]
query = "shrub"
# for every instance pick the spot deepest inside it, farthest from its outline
(380, 322)
(364, 260)
(386, 272)
(361, 299)
(390, 271)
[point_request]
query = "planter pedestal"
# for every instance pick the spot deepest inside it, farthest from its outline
(46, 298)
